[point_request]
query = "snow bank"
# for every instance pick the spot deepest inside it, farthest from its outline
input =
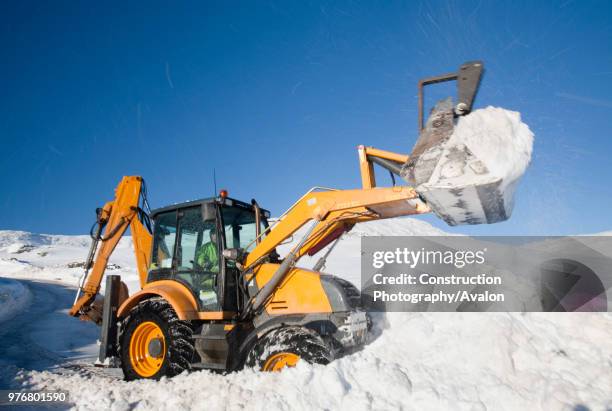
(13, 298)
(420, 361)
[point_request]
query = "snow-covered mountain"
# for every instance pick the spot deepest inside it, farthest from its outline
(415, 361)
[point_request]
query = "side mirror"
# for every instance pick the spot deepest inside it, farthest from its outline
(236, 255)
(233, 254)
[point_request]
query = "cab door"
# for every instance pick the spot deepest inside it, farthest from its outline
(197, 256)
(239, 231)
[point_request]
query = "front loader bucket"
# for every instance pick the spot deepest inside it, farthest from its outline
(457, 184)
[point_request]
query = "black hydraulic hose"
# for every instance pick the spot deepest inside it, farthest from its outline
(145, 219)
(145, 198)
(91, 231)
(392, 178)
(144, 211)
(114, 230)
(94, 245)
(100, 223)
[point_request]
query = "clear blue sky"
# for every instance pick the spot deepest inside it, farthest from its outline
(277, 95)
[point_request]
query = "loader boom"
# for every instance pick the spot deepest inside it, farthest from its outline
(112, 221)
(336, 209)
(331, 213)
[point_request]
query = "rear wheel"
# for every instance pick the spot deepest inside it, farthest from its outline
(154, 342)
(285, 347)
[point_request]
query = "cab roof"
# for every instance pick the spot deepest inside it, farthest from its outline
(219, 200)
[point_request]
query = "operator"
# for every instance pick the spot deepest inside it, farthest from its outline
(207, 256)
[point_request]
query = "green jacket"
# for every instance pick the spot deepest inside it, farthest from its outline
(207, 257)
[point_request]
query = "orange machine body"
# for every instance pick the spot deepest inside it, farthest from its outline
(300, 292)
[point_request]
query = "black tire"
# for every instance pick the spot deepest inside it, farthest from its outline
(178, 335)
(303, 342)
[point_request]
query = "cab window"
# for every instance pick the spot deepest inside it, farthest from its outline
(164, 240)
(198, 256)
(191, 226)
(239, 226)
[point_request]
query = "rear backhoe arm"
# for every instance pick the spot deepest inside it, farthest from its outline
(113, 220)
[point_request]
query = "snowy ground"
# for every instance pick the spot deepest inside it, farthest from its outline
(416, 360)
(14, 296)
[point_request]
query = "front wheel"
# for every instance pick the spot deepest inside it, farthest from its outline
(154, 342)
(285, 347)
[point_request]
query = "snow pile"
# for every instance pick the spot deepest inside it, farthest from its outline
(13, 298)
(421, 361)
(425, 361)
(478, 168)
(499, 139)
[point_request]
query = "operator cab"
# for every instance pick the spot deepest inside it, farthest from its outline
(188, 244)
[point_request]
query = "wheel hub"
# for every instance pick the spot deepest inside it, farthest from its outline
(155, 347)
(280, 360)
(147, 349)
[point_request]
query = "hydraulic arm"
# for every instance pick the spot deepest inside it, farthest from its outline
(112, 221)
(336, 209)
(331, 213)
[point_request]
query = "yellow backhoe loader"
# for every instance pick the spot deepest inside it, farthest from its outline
(215, 294)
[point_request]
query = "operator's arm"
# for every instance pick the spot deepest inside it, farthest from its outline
(114, 219)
